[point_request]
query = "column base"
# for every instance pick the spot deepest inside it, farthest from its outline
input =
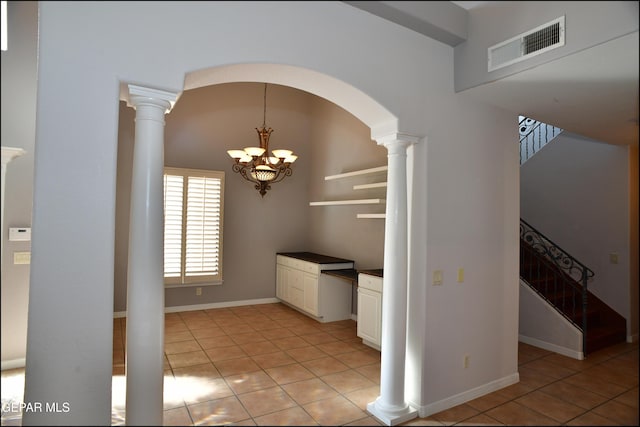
(392, 417)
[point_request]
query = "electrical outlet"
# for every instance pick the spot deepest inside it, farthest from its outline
(460, 275)
(22, 257)
(198, 291)
(465, 363)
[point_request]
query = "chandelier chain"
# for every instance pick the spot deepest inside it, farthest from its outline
(264, 117)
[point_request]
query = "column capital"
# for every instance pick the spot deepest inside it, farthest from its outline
(398, 138)
(140, 94)
(9, 153)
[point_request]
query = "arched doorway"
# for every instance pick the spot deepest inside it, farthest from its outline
(390, 406)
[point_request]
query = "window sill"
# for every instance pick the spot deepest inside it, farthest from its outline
(194, 285)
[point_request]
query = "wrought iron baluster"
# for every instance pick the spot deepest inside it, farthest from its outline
(533, 136)
(567, 268)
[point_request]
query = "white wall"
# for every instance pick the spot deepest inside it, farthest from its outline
(472, 187)
(206, 122)
(541, 325)
(469, 200)
(19, 70)
(634, 239)
(587, 24)
(202, 126)
(341, 143)
(576, 192)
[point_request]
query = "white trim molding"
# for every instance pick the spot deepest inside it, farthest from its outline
(213, 305)
(13, 364)
(450, 402)
(551, 347)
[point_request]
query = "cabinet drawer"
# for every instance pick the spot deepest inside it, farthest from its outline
(305, 266)
(298, 264)
(283, 260)
(367, 281)
(311, 268)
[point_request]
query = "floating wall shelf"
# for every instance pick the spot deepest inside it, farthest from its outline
(356, 173)
(373, 185)
(361, 172)
(349, 202)
(371, 216)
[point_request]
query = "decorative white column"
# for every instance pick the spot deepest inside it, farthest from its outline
(145, 285)
(8, 154)
(390, 407)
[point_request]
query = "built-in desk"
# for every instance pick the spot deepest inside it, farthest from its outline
(325, 261)
(348, 274)
(351, 274)
(301, 282)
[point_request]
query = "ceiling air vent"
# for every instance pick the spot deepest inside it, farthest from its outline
(526, 45)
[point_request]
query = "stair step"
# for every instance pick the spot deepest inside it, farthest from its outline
(604, 325)
(601, 337)
(593, 318)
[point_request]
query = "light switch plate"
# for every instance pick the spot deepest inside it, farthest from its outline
(437, 277)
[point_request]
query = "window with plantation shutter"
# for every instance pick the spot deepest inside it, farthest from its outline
(193, 207)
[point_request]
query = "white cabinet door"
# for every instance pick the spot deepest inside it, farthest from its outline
(281, 282)
(310, 283)
(370, 316)
(295, 287)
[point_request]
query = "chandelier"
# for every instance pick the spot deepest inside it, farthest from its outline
(254, 163)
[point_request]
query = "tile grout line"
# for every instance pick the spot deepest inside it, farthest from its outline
(280, 385)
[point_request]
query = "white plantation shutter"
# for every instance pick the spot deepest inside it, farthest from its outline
(193, 225)
(173, 189)
(203, 226)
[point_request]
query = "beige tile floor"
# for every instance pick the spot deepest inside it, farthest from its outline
(270, 365)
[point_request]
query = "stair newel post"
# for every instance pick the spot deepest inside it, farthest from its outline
(584, 311)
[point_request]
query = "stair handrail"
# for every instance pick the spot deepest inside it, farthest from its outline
(530, 140)
(564, 261)
(551, 250)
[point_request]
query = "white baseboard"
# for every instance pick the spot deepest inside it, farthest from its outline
(579, 355)
(195, 307)
(450, 402)
(13, 364)
(180, 308)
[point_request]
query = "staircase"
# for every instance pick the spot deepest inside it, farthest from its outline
(555, 275)
(562, 281)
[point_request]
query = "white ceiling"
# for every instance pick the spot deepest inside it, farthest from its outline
(593, 93)
(470, 4)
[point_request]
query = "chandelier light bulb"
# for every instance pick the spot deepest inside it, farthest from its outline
(281, 154)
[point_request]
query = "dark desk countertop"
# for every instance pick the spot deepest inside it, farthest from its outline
(348, 274)
(378, 272)
(315, 258)
(351, 274)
